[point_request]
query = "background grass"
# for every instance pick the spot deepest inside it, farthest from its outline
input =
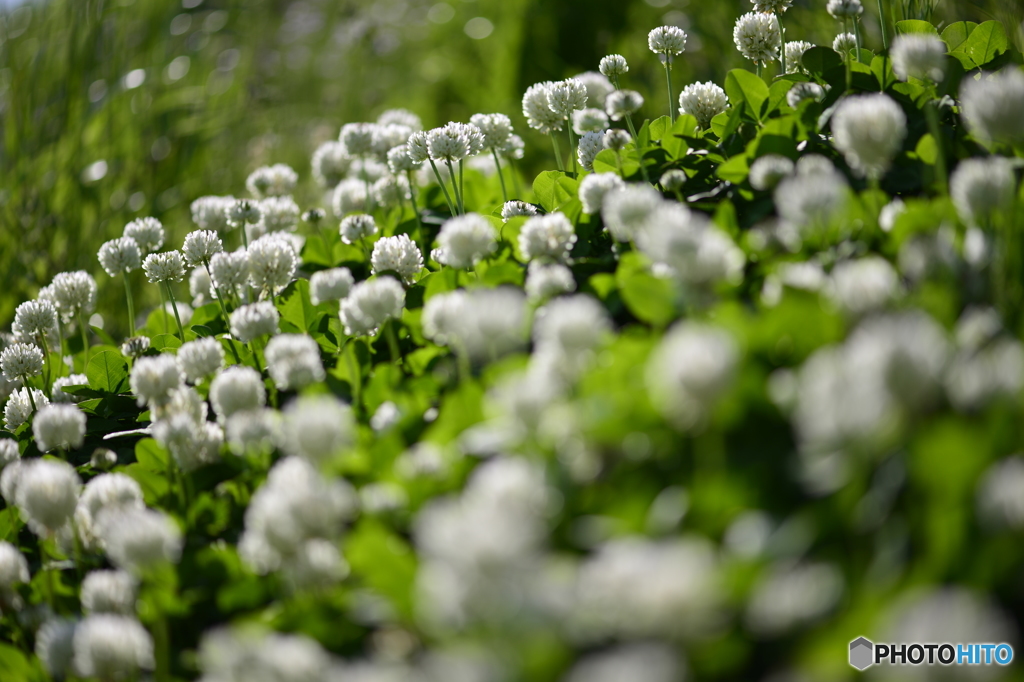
(87, 143)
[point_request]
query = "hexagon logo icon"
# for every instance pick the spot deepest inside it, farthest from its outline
(861, 653)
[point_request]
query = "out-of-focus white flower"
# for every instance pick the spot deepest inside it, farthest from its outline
(112, 647)
(231, 656)
(496, 128)
(370, 304)
(589, 146)
(19, 407)
(255, 431)
(349, 196)
(869, 131)
(544, 281)
(549, 238)
(8, 451)
(293, 361)
(918, 55)
(200, 285)
(251, 321)
(106, 492)
(571, 327)
(811, 201)
(237, 389)
(594, 188)
(648, 661)
(54, 646)
(982, 188)
(34, 319)
(865, 284)
(845, 9)
(397, 254)
(992, 104)
(148, 233)
(47, 493)
(153, 378)
(692, 367)
(466, 240)
(356, 227)
(73, 293)
(589, 121)
(757, 37)
(391, 191)
(119, 256)
(703, 101)
(685, 245)
(211, 213)
(613, 66)
(771, 6)
(769, 170)
(109, 592)
(272, 181)
(667, 40)
(272, 263)
(330, 285)
(622, 103)
(845, 43)
(616, 139)
(539, 115)
(1000, 495)
(59, 426)
(625, 211)
(243, 212)
(388, 136)
(164, 267)
(277, 214)
(802, 91)
(230, 270)
(976, 378)
(791, 596)
(672, 180)
(400, 117)
(21, 361)
(13, 566)
(482, 324)
(200, 358)
(598, 87)
(136, 539)
(317, 428)
(357, 137)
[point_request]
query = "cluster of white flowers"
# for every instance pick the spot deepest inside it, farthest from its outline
(370, 304)
(482, 324)
(548, 238)
(272, 181)
(703, 101)
(465, 240)
(399, 255)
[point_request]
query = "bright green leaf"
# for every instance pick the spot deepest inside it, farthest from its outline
(108, 372)
(985, 43)
(745, 87)
(553, 188)
(916, 26)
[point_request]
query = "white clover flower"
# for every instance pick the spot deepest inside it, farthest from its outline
(625, 210)
(211, 213)
(794, 55)
(685, 245)
(237, 389)
(390, 191)
(358, 137)
(667, 40)
(192, 442)
(200, 358)
(589, 146)
(514, 148)
(73, 293)
(272, 181)
(811, 200)
(648, 661)
(589, 121)
(845, 9)
(293, 361)
(229, 656)
(253, 431)
(47, 493)
(801, 91)
(703, 101)
(278, 214)
(330, 285)
(465, 240)
(771, 6)
(8, 451)
(692, 367)
(918, 55)
(112, 647)
(272, 263)
(598, 87)
(54, 646)
(109, 592)
(418, 148)
(13, 566)
(672, 180)
(119, 256)
(230, 270)
(254, 320)
(356, 227)
(613, 66)
(991, 106)
(449, 143)
(243, 212)
(844, 43)
(200, 246)
(59, 426)
(622, 103)
(982, 188)
(200, 285)
(565, 97)
(399, 160)
(594, 188)
(496, 128)
(572, 327)
(789, 596)
(544, 281)
(757, 37)
(148, 233)
(862, 285)
(441, 314)
(317, 428)
(19, 407)
(135, 346)
(154, 378)
(483, 324)
(349, 196)
(397, 254)
(386, 416)
(512, 209)
(104, 492)
(21, 361)
(769, 170)
(136, 539)
(548, 238)
(35, 318)
(538, 114)
(869, 131)
(370, 304)
(616, 139)
(400, 117)
(331, 162)
(164, 267)
(388, 136)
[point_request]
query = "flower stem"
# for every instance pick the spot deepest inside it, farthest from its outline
(846, 57)
(668, 81)
(856, 33)
(932, 118)
(782, 42)
(447, 197)
(455, 186)
(392, 338)
(131, 305)
(354, 376)
(462, 187)
(572, 147)
(85, 336)
(60, 345)
(245, 235)
(497, 165)
(47, 362)
(639, 153)
(174, 307)
(884, 25)
(412, 199)
(558, 152)
(162, 649)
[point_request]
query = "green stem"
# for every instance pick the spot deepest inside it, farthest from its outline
(846, 57)
(497, 165)
(447, 197)
(856, 33)
(760, 70)
(782, 41)
(932, 118)
(668, 81)
(85, 336)
(366, 181)
(885, 27)
(572, 148)
(558, 152)
(60, 344)
(47, 362)
(462, 187)
(412, 198)
(253, 346)
(354, 376)
(162, 642)
(455, 186)
(163, 307)
(639, 153)
(245, 235)
(174, 307)
(392, 338)
(31, 398)
(50, 590)
(131, 305)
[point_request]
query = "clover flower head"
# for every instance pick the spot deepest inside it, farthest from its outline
(200, 358)
(547, 280)
(844, 43)
(73, 293)
(19, 407)
(154, 378)
(356, 227)
(769, 170)
(397, 254)
(109, 591)
(565, 97)
(622, 103)
(594, 188)
(272, 262)
(401, 117)
(449, 143)
(8, 451)
(148, 233)
(589, 121)
(35, 318)
(59, 426)
(538, 114)
(803, 91)
(811, 200)
(794, 55)
(667, 40)
(400, 161)
(981, 188)
(237, 389)
(13, 566)
(613, 66)
(168, 266)
(419, 150)
(844, 9)
(772, 6)
(703, 101)
(119, 256)
(331, 162)
(47, 494)
(358, 138)
(370, 304)
(330, 285)
(672, 180)
(387, 137)
(918, 55)
(230, 269)
(549, 238)
(293, 361)
(21, 361)
(616, 139)
(757, 37)
(482, 324)
(587, 149)
(511, 209)
(514, 148)
(991, 106)
(272, 181)
(243, 212)
(200, 246)
(465, 240)
(317, 428)
(869, 131)
(625, 210)
(135, 346)
(496, 128)
(254, 320)
(211, 213)
(136, 539)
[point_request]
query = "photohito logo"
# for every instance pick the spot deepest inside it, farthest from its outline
(864, 653)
